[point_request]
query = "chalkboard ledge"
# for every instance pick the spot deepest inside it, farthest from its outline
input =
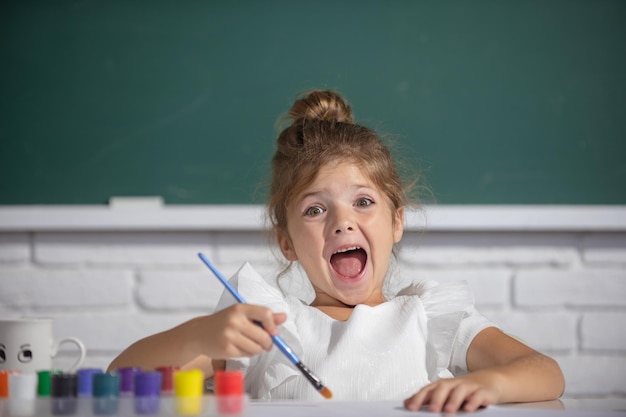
(459, 218)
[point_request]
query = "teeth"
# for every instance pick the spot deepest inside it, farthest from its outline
(348, 249)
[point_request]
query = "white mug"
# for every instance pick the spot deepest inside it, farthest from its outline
(28, 345)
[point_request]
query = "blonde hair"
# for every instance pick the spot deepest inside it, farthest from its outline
(322, 131)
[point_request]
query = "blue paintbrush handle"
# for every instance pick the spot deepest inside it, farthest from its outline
(278, 341)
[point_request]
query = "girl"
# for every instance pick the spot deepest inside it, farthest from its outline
(337, 209)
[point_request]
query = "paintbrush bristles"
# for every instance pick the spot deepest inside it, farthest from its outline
(326, 393)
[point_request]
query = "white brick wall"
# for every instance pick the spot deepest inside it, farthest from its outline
(563, 292)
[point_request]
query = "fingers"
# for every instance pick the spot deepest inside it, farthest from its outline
(268, 320)
(248, 340)
(415, 402)
(238, 332)
(457, 398)
(450, 395)
(476, 401)
(264, 316)
(280, 318)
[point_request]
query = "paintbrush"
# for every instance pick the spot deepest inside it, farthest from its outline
(278, 341)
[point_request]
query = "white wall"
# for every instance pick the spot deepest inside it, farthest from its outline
(553, 276)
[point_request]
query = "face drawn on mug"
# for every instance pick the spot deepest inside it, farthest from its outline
(24, 355)
(27, 345)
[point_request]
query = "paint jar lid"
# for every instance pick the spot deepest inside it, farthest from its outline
(44, 381)
(229, 383)
(127, 378)
(189, 383)
(167, 380)
(106, 385)
(85, 381)
(63, 385)
(148, 384)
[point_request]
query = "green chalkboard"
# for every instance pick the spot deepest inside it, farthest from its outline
(497, 102)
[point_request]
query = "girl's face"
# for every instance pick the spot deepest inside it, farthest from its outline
(342, 230)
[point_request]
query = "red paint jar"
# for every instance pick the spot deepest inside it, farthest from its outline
(229, 392)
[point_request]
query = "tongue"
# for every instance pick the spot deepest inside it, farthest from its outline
(348, 264)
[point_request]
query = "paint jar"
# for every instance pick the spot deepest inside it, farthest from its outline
(63, 394)
(85, 390)
(147, 392)
(229, 392)
(127, 380)
(22, 393)
(167, 379)
(127, 387)
(189, 387)
(106, 391)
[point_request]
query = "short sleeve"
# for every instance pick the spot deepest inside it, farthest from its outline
(472, 324)
(452, 324)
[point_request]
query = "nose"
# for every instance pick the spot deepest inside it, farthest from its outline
(343, 221)
(344, 226)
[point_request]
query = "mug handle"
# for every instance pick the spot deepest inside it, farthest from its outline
(81, 348)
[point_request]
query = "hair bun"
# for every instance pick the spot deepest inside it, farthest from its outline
(322, 105)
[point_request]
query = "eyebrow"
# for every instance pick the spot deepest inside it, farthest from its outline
(321, 191)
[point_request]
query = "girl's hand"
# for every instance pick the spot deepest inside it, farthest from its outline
(232, 332)
(502, 370)
(467, 393)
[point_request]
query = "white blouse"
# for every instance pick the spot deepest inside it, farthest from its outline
(384, 352)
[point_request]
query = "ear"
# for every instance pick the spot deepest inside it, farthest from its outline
(284, 243)
(398, 225)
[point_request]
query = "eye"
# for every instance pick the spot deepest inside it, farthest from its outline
(364, 202)
(25, 355)
(313, 211)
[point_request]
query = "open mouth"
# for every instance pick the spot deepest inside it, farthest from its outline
(349, 262)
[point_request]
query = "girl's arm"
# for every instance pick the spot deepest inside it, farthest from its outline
(202, 341)
(502, 370)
